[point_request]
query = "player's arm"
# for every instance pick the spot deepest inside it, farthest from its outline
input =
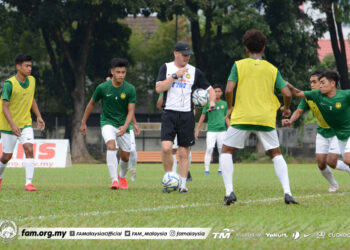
(135, 126)
(295, 92)
(86, 115)
(200, 122)
(131, 112)
(5, 109)
(287, 100)
(163, 83)
(295, 116)
(39, 119)
(160, 102)
(212, 97)
(229, 97)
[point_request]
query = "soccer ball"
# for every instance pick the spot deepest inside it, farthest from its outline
(171, 181)
(200, 97)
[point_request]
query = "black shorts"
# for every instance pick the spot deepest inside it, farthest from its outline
(180, 124)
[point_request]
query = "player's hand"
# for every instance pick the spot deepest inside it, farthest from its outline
(196, 133)
(41, 123)
(286, 122)
(16, 130)
(122, 130)
(181, 72)
(83, 128)
(211, 107)
(136, 129)
(285, 112)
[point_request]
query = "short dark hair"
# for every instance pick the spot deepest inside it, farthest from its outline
(217, 86)
(317, 72)
(20, 58)
(254, 40)
(331, 75)
(119, 62)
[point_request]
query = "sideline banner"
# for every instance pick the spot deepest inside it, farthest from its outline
(47, 154)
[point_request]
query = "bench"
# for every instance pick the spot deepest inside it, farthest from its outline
(156, 156)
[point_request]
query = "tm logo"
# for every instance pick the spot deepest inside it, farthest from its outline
(225, 234)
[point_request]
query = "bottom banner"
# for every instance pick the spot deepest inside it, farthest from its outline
(114, 233)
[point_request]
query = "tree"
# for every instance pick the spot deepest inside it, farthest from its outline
(337, 12)
(148, 53)
(291, 46)
(70, 30)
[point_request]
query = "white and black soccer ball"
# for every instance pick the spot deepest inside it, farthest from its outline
(171, 181)
(200, 97)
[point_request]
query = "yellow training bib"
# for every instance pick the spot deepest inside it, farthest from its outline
(20, 104)
(256, 102)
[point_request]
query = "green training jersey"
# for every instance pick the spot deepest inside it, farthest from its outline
(115, 101)
(216, 122)
(322, 127)
(335, 110)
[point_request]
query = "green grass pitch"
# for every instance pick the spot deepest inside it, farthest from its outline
(80, 197)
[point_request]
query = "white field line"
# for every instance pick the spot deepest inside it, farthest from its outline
(160, 208)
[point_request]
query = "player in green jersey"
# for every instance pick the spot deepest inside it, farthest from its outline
(334, 105)
(217, 123)
(118, 105)
(327, 149)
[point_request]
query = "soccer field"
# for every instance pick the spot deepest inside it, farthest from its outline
(80, 197)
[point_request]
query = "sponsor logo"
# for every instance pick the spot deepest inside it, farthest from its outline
(296, 235)
(108, 95)
(222, 106)
(338, 105)
(188, 76)
(276, 235)
(225, 234)
(122, 95)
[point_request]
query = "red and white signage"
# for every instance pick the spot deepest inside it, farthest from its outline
(47, 154)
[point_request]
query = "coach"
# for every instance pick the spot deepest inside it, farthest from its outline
(177, 80)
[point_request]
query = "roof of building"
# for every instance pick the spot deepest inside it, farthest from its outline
(325, 48)
(142, 24)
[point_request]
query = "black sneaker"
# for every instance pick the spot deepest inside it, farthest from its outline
(288, 199)
(189, 177)
(165, 190)
(183, 190)
(230, 199)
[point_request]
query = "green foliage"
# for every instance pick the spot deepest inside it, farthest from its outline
(328, 62)
(149, 53)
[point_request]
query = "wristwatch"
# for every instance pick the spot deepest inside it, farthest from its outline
(174, 76)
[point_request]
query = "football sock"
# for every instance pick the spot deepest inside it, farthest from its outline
(2, 169)
(327, 173)
(112, 164)
(183, 182)
(207, 158)
(281, 169)
(174, 163)
(29, 165)
(123, 168)
(227, 172)
(342, 166)
(133, 159)
(220, 167)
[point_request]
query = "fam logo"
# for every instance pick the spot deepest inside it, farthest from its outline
(122, 95)
(225, 234)
(8, 230)
(338, 105)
